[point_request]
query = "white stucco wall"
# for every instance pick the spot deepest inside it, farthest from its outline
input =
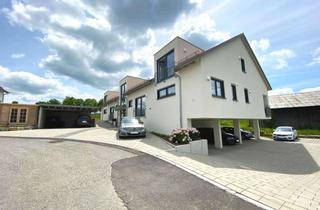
(1, 96)
(161, 115)
(223, 64)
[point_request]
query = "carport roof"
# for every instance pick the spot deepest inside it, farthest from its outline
(306, 99)
(68, 107)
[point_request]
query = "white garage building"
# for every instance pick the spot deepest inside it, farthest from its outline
(195, 88)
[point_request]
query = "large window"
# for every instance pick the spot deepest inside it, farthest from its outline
(217, 88)
(23, 116)
(14, 115)
(140, 106)
(234, 92)
(246, 95)
(167, 91)
(243, 65)
(123, 89)
(165, 66)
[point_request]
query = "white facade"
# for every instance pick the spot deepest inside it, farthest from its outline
(194, 71)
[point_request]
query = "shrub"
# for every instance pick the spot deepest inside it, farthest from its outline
(184, 135)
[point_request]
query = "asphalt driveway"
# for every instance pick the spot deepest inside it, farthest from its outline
(44, 174)
(69, 174)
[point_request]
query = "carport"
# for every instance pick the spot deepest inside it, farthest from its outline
(61, 116)
(207, 125)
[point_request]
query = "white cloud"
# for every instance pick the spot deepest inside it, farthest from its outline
(315, 57)
(282, 57)
(27, 87)
(17, 55)
(280, 91)
(277, 59)
(310, 89)
(98, 42)
(200, 30)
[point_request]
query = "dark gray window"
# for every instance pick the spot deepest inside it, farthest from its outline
(123, 89)
(234, 92)
(246, 95)
(165, 66)
(243, 65)
(140, 106)
(167, 91)
(23, 116)
(14, 115)
(130, 103)
(217, 88)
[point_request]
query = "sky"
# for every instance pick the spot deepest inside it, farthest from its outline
(81, 48)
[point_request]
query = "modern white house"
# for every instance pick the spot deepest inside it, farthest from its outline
(2, 93)
(195, 88)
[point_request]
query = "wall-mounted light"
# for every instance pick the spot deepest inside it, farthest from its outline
(239, 57)
(208, 78)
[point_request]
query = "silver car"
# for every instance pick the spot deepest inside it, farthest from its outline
(285, 133)
(131, 126)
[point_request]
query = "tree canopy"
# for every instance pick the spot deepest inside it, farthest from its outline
(69, 100)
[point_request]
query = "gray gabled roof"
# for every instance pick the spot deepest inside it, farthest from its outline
(3, 90)
(306, 99)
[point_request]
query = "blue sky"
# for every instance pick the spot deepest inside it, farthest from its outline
(53, 49)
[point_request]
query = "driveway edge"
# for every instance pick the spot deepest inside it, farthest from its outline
(138, 152)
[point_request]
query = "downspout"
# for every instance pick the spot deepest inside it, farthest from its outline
(180, 98)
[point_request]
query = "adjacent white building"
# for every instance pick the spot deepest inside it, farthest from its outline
(2, 93)
(195, 88)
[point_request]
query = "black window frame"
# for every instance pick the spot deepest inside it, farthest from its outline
(223, 95)
(166, 76)
(141, 112)
(246, 95)
(14, 112)
(130, 103)
(166, 90)
(234, 92)
(23, 116)
(243, 65)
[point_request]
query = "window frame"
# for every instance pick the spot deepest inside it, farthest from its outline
(166, 90)
(246, 95)
(16, 115)
(130, 103)
(25, 117)
(223, 93)
(123, 90)
(166, 76)
(234, 92)
(142, 111)
(243, 65)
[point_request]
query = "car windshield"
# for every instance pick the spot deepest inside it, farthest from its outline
(285, 129)
(130, 120)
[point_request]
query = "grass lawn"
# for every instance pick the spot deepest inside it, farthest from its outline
(96, 117)
(244, 124)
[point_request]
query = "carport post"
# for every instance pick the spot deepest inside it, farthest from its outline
(237, 131)
(217, 134)
(256, 129)
(40, 117)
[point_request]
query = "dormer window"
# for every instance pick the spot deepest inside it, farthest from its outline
(165, 66)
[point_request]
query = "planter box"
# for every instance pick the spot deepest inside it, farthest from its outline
(199, 147)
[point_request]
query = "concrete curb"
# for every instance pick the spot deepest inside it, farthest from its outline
(135, 151)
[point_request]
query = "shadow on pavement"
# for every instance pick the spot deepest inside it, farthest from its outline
(262, 155)
(144, 182)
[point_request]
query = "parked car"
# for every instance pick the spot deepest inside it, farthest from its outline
(245, 135)
(131, 126)
(228, 138)
(84, 121)
(285, 133)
